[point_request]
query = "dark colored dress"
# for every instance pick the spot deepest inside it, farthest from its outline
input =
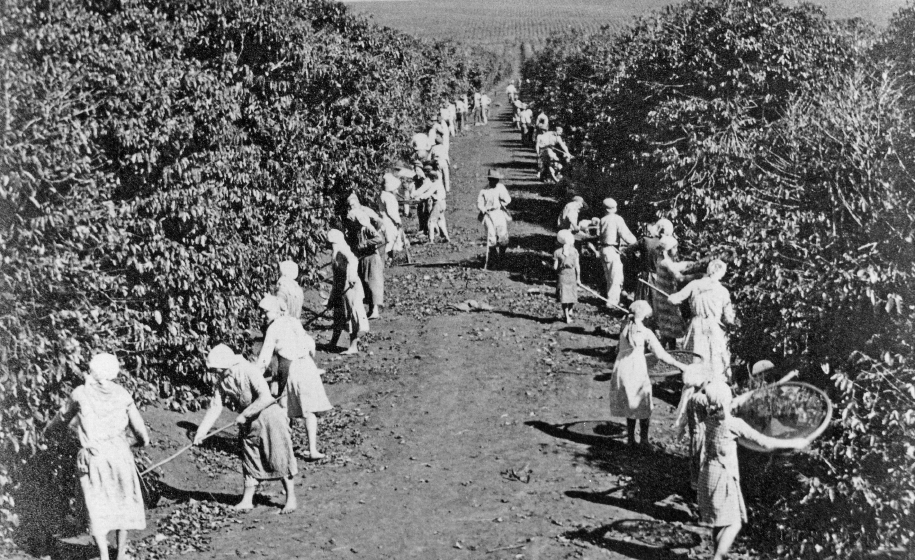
(265, 440)
(567, 283)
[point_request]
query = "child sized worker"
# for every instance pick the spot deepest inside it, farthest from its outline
(721, 502)
(107, 472)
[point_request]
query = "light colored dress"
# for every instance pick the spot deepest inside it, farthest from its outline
(491, 203)
(720, 498)
(304, 390)
(711, 306)
(349, 310)
(567, 283)
(630, 386)
(266, 440)
(107, 472)
(289, 291)
(390, 211)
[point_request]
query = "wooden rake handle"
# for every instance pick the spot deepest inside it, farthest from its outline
(602, 298)
(183, 449)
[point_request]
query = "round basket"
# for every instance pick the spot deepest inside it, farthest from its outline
(659, 370)
(786, 411)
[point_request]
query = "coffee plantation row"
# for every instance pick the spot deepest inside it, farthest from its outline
(782, 142)
(159, 158)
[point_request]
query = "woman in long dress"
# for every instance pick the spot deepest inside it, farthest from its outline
(300, 388)
(721, 502)
(669, 276)
(289, 290)
(365, 228)
(565, 260)
(491, 203)
(630, 386)
(390, 215)
(711, 305)
(346, 295)
(263, 427)
(107, 472)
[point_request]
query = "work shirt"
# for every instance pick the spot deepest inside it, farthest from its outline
(461, 106)
(569, 217)
(485, 100)
(511, 89)
(550, 140)
(612, 229)
(493, 198)
(526, 116)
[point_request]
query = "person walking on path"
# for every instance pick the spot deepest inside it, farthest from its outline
(525, 120)
(346, 295)
(434, 190)
(612, 230)
(630, 386)
(105, 464)
(542, 125)
(568, 219)
(721, 502)
(485, 102)
(565, 261)
(289, 290)
(491, 203)
(669, 277)
(390, 215)
(477, 108)
(461, 107)
(368, 244)
(511, 92)
(441, 160)
(301, 391)
(263, 426)
(711, 305)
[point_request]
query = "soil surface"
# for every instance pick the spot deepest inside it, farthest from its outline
(480, 434)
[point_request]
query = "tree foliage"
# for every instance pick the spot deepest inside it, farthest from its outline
(779, 142)
(160, 157)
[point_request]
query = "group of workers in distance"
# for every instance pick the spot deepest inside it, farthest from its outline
(280, 382)
(552, 153)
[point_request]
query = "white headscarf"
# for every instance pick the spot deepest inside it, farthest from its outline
(289, 269)
(104, 367)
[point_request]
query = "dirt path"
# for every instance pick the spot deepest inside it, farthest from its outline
(460, 435)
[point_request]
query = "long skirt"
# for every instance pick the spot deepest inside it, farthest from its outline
(266, 446)
(111, 487)
(566, 286)
(304, 388)
(392, 235)
(720, 499)
(630, 388)
(706, 338)
(349, 312)
(371, 271)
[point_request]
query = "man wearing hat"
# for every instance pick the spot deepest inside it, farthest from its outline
(511, 91)
(491, 203)
(612, 232)
(569, 217)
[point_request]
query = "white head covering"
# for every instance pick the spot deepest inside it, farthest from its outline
(565, 237)
(272, 303)
(336, 237)
(353, 199)
(762, 366)
(640, 309)
(391, 182)
(667, 243)
(719, 396)
(222, 357)
(661, 228)
(104, 367)
(609, 204)
(288, 269)
(715, 267)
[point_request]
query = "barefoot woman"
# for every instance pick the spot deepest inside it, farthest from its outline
(263, 427)
(346, 295)
(300, 391)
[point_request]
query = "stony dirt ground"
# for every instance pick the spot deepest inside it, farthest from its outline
(455, 434)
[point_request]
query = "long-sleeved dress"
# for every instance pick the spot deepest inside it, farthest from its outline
(630, 386)
(646, 248)
(711, 305)
(363, 221)
(491, 203)
(668, 275)
(720, 497)
(346, 295)
(265, 440)
(107, 472)
(303, 390)
(390, 216)
(567, 282)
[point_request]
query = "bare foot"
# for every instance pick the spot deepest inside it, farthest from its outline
(375, 315)
(315, 455)
(350, 351)
(243, 506)
(291, 506)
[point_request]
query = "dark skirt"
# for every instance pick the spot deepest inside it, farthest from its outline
(266, 446)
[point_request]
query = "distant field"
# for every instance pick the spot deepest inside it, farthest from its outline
(504, 24)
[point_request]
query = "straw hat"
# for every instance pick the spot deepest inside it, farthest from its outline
(222, 357)
(495, 175)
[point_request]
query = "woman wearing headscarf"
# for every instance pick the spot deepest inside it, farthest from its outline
(346, 295)
(565, 260)
(630, 386)
(643, 255)
(491, 203)
(721, 502)
(711, 305)
(390, 215)
(289, 290)
(107, 472)
(367, 244)
(263, 427)
(300, 388)
(669, 277)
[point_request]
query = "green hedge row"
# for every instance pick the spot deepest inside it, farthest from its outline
(782, 142)
(160, 157)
